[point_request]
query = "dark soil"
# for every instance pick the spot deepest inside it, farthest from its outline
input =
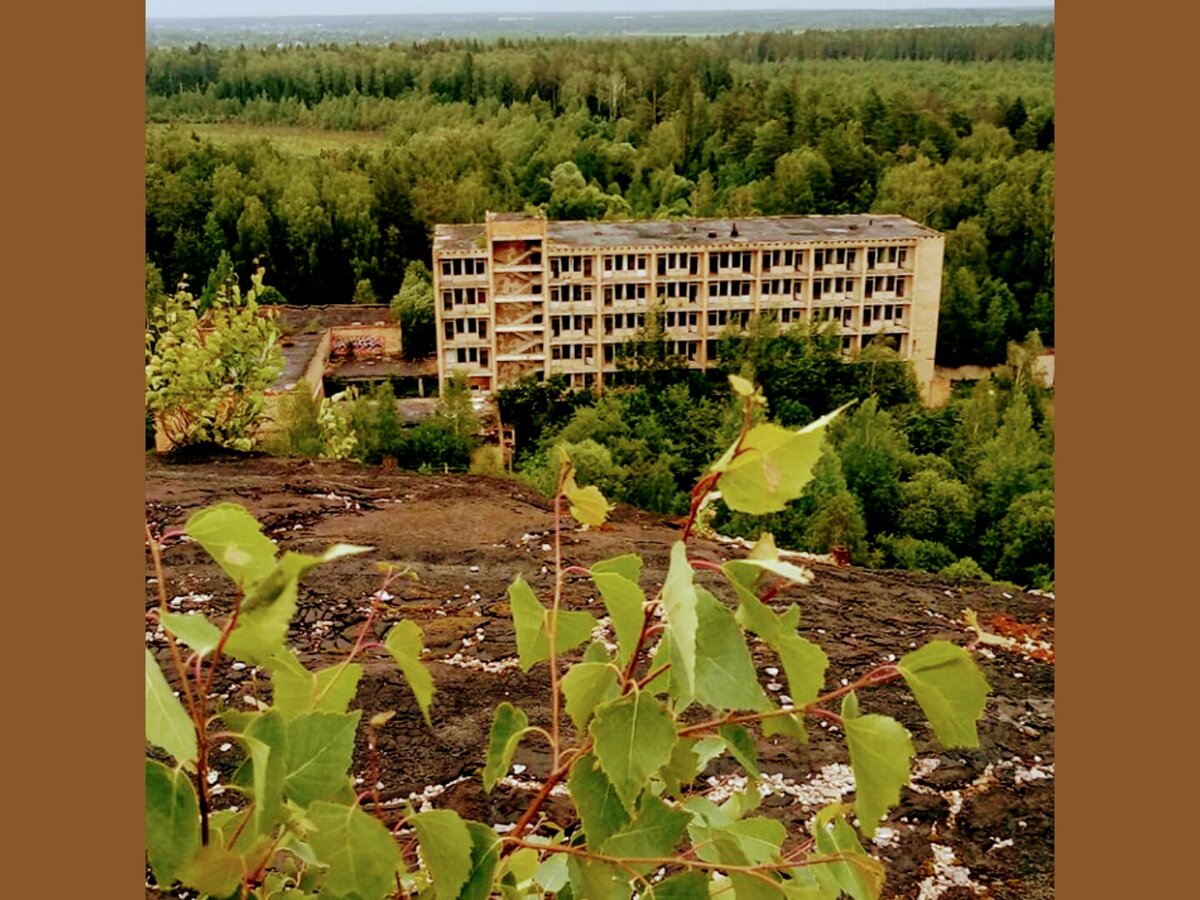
(467, 537)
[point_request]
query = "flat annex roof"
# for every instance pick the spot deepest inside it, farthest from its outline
(725, 232)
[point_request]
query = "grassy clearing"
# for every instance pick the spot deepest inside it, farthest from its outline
(294, 140)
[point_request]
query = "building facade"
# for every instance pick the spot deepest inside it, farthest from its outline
(518, 294)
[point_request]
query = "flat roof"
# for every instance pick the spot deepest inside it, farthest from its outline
(724, 231)
(294, 320)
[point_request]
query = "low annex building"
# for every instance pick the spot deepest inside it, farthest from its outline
(519, 294)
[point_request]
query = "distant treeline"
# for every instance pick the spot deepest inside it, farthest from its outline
(953, 127)
(312, 73)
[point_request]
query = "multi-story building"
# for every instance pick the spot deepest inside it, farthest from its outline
(519, 294)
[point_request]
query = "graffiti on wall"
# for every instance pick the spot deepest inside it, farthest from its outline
(364, 347)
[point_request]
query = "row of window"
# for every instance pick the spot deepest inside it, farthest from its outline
(467, 296)
(453, 328)
(478, 355)
(772, 260)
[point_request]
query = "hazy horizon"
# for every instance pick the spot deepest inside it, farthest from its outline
(225, 9)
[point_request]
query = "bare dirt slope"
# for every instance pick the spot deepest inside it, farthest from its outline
(972, 823)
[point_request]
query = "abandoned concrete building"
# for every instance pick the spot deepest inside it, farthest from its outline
(519, 294)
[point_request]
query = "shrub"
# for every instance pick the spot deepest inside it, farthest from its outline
(619, 741)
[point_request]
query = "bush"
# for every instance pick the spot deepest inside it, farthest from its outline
(965, 569)
(631, 763)
(912, 553)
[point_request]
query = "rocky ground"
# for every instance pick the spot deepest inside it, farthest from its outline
(972, 823)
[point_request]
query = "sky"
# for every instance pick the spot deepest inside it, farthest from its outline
(260, 8)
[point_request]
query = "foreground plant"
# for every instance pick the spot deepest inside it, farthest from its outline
(633, 726)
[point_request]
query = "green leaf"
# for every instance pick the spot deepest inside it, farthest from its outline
(265, 738)
(881, 753)
(167, 723)
(262, 625)
(680, 601)
(295, 689)
(586, 686)
(235, 541)
(627, 565)
(950, 688)
(725, 674)
(319, 751)
(690, 885)
(406, 642)
(508, 725)
(587, 504)
(529, 617)
(634, 737)
(600, 809)
(193, 630)
(358, 849)
(626, 605)
(215, 871)
(597, 880)
(531, 622)
(655, 831)
(446, 846)
(771, 466)
(741, 745)
(741, 386)
(552, 873)
(859, 875)
(172, 821)
(804, 663)
(682, 769)
(485, 854)
(758, 838)
(793, 573)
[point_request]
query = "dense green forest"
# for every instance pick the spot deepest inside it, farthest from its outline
(951, 126)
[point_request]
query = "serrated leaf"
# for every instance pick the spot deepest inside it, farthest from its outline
(319, 750)
(587, 504)
(858, 874)
(214, 870)
(264, 618)
(358, 849)
(405, 643)
(679, 602)
(529, 617)
(804, 663)
(264, 737)
(741, 746)
(167, 723)
(601, 812)
(296, 689)
(771, 466)
(172, 821)
(682, 769)
(634, 737)
(759, 838)
(597, 880)
(235, 541)
(725, 674)
(685, 886)
(508, 725)
(626, 605)
(881, 753)
(446, 845)
(627, 565)
(531, 622)
(193, 630)
(655, 831)
(586, 686)
(950, 688)
(485, 854)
